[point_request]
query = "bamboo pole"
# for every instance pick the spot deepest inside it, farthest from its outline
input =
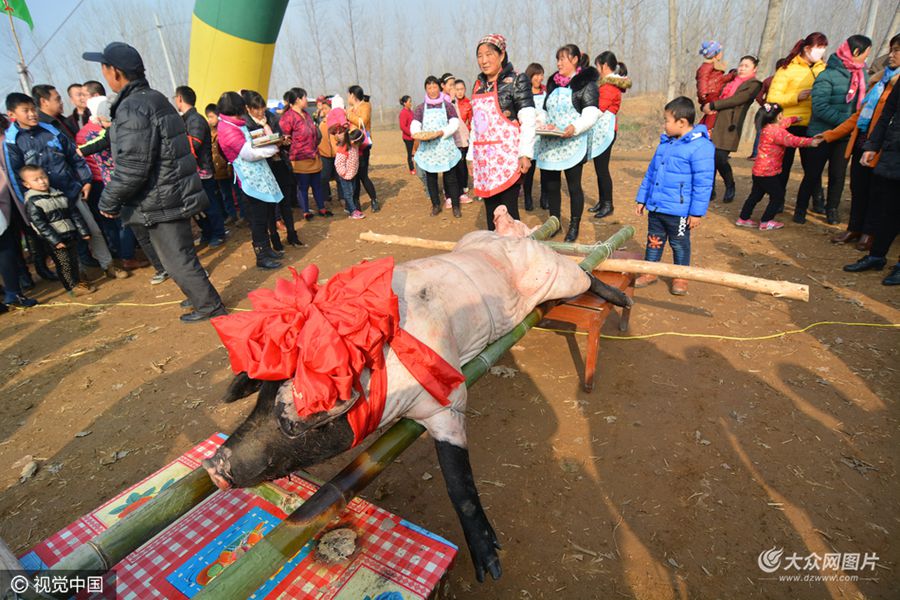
(124, 537)
(547, 229)
(777, 288)
(241, 579)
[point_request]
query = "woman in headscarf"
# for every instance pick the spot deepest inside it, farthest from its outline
(501, 140)
(434, 123)
(571, 110)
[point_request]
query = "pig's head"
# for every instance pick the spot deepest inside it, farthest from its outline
(274, 440)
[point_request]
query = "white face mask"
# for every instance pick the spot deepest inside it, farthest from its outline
(816, 54)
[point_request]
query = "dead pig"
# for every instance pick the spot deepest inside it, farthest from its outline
(455, 304)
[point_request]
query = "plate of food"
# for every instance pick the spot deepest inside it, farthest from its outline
(549, 130)
(426, 136)
(266, 140)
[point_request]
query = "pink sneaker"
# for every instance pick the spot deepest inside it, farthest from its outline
(769, 225)
(357, 215)
(448, 203)
(464, 199)
(745, 223)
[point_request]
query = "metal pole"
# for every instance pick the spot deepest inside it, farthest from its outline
(21, 69)
(162, 41)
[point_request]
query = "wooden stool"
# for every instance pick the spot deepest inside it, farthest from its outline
(588, 312)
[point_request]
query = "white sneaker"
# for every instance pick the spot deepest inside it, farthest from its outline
(159, 278)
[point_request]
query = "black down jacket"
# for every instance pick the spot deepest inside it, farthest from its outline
(585, 88)
(155, 179)
(886, 138)
(513, 91)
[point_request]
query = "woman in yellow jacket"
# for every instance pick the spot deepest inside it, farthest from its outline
(791, 88)
(359, 114)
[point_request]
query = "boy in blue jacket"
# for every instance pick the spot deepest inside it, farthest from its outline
(676, 188)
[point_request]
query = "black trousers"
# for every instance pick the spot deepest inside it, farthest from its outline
(831, 153)
(888, 223)
(865, 206)
(409, 156)
(528, 184)
(143, 240)
(261, 215)
(508, 198)
(604, 179)
(174, 244)
(552, 182)
(450, 185)
(462, 171)
(362, 177)
(787, 161)
(762, 186)
(723, 167)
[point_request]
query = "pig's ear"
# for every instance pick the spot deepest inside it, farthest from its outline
(241, 387)
(293, 424)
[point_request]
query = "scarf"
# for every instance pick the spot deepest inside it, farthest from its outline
(731, 87)
(871, 100)
(439, 100)
(857, 77)
(563, 81)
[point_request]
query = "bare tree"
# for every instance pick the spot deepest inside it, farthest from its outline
(315, 23)
(893, 30)
(770, 31)
(673, 49)
(350, 14)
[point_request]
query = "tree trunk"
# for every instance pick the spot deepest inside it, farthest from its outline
(770, 31)
(673, 49)
(870, 20)
(892, 30)
(353, 40)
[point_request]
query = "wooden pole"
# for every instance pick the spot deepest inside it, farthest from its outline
(779, 289)
(241, 579)
(21, 68)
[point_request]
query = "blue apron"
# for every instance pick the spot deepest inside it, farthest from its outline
(556, 153)
(602, 133)
(257, 180)
(439, 155)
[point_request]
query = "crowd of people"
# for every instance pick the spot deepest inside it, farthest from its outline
(132, 169)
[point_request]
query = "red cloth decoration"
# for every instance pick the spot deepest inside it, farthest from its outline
(323, 338)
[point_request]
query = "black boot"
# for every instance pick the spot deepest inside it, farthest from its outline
(293, 239)
(264, 259)
(544, 204)
(605, 208)
(274, 254)
(572, 233)
(375, 206)
(529, 204)
(800, 215)
(44, 273)
(276, 242)
(831, 216)
(818, 204)
(866, 263)
(894, 277)
(457, 212)
(611, 294)
(729, 194)
(595, 207)
(435, 209)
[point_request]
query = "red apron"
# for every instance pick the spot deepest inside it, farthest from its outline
(495, 147)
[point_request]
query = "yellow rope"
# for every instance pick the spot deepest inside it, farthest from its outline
(646, 336)
(727, 337)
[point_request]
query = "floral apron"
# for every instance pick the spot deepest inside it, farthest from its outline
(495, 147)
(602, 133)
(257, 180)
(558, 153)
(440, 155)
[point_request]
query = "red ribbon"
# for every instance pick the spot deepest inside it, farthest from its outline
(323, 338)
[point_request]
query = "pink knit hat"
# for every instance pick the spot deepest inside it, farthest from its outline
(336, 118)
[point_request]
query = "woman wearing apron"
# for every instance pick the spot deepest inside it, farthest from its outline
(501, 139)
(571, 108)
(535, 75)
(440, 154)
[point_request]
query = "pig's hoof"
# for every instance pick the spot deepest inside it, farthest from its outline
(483, 546)
(609, 293)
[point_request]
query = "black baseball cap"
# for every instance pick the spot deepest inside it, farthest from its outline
(119, 55)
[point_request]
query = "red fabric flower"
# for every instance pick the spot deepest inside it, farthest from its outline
(323, 338)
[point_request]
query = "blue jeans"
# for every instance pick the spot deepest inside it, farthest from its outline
(661, 228)
(329, 175)
(111, 228)
(213, 225)
(304, 182)
(345, 189)
(231, 197)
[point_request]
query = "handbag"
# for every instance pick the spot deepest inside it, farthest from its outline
(367, 143)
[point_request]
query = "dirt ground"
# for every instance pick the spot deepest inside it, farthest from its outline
(691, 457)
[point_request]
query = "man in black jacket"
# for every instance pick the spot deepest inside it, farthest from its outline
(155, 182)
(200, 139)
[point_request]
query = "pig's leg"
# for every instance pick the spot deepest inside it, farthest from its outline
(609, 293)
(449, 432)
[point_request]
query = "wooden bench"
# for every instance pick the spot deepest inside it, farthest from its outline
(588, 312)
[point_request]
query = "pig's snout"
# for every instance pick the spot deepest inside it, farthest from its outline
(216, 466)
